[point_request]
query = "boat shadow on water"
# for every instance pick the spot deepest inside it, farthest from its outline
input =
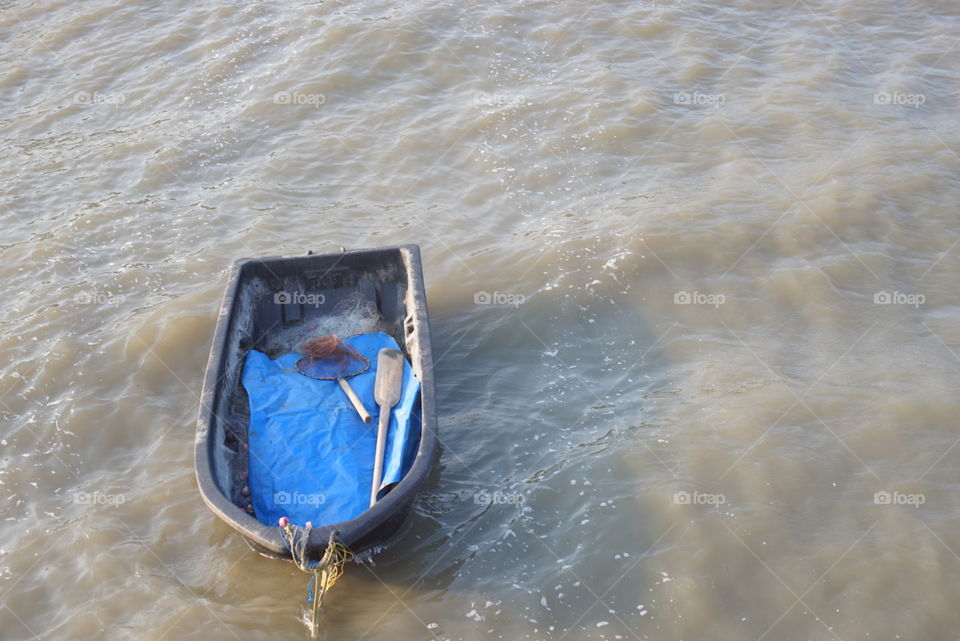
(542, 477)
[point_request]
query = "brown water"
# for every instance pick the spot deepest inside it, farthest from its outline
(723, 239)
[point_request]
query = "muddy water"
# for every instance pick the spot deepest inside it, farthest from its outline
(691, 268)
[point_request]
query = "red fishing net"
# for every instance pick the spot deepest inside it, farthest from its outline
(329, 358)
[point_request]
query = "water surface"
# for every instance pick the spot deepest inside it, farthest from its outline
(710, 390)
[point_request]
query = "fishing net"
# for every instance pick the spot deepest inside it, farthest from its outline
(357, 313)
(325, 572)
(327, 358)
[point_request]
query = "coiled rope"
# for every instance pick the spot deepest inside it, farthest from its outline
(325, 572)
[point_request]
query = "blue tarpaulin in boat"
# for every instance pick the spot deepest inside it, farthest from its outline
(311, 457)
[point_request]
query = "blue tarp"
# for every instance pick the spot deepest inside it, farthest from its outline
(311, 457)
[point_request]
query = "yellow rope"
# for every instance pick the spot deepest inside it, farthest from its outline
(325, 572)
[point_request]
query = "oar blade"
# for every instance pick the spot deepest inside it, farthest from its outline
(389, 381)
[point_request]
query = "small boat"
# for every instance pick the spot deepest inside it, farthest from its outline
(269, 305)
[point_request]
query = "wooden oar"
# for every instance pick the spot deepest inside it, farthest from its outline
(386, 393)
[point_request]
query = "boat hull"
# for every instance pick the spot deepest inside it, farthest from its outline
(266, 297)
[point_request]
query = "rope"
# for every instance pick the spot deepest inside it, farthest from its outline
(325, 572)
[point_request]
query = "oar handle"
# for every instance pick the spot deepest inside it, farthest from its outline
(381, 446)
(355, 400)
